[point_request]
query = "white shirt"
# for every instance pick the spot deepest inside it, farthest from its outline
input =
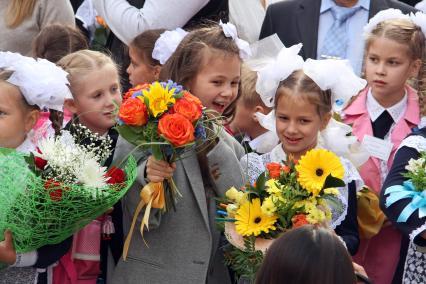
(263, 143)
(247, 16)
(127, 21)
(355, 26)
(396, 111)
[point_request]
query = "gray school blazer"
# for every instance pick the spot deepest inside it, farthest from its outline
(182, 246)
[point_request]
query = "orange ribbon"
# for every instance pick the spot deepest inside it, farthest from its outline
(151, 195)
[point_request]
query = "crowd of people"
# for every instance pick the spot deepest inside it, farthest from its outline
(295, 78)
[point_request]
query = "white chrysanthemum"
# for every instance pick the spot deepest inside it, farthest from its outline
(414, 165)
(91, 174)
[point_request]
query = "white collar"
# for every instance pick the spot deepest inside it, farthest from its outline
(263, 143)
(27, 146)
(375, 109)
(278, 155)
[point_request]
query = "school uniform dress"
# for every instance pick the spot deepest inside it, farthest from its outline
(343, 222)
(183, 245)
(380, 254)
(413, 269)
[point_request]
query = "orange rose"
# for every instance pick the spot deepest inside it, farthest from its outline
(299, 220)
(133, 112)
(131, 91)
(176, 128)
(190, 97)
(189, 109)
(285, 169)
(274, 170)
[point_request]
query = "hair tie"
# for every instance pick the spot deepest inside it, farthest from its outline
(231, 31)
(166, 44)
(41, 82)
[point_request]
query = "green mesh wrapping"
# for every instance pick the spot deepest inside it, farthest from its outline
(38, 216)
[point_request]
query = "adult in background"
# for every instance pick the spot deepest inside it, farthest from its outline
(326, 28)
(247, 16)
(22, 20)
(127, 19)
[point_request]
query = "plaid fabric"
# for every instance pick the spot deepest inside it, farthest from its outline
(336, 39)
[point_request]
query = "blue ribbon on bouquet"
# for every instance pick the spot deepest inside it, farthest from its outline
(407, 190)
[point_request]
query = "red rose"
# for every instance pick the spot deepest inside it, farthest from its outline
(176, 128)
(133, 112)
(190, 109)
(54, 188)
(40, 163)
(116, 175)
(274, 170)
(299, 220)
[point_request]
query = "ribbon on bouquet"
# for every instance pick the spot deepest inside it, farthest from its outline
(407, 190)
(151, 196)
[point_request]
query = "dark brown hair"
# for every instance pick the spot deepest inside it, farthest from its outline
(298, 84)
(308, 255)
(407, 33)
(145, 43)
(56, 40)
(189, 57)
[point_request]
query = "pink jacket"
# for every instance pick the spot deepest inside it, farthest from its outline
(357, 115)
(380, 254)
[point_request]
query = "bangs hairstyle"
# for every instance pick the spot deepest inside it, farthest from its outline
(56, 40)
(407, 33)
(299, 85)
(248, 94)
(194, 52)
(308, 255)
(145, 43)
(81, 63)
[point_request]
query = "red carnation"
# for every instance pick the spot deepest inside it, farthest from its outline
(54, 188)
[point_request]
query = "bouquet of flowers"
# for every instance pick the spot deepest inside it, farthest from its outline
(167, 121)
(47, 196)
(286, 196)
(413, 188)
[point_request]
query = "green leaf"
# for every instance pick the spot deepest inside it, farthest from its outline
(331, 181)
(156, 152)
(260, 183)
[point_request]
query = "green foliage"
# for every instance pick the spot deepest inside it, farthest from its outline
(417, 172)
(246, 262)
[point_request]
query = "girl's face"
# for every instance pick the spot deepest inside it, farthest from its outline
(16, 119)
(139, 71)
(95, 99)
(216, 84)
(387, 68)
(298, 124)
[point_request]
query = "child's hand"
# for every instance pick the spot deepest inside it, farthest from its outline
(157, 171)
(7, 250)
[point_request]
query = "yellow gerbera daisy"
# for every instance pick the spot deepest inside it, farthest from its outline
(314, 167)
(159, 98)
(250, 220)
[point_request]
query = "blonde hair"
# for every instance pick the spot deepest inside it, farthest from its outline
(301, 86)
(80, 63)
(248, 94)
(407, 33)
(18, 11)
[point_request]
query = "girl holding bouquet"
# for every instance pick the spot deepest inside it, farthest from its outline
(304, 95)
(26, 86)
(184, 243)
(95, 87)
(409, 158)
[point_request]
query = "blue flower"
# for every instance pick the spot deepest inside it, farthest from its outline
(200, 132)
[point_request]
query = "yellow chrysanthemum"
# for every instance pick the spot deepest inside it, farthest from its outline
(314, 167)
(332, 191)
(326, 208)
(250, 220)
(268, 206)
(236, 195)
(159, 98)
(271, 187)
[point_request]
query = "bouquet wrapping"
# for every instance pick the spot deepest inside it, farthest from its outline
(287, 195)
(46, 198)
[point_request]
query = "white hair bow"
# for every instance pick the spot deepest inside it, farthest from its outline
(167, 43)
(41, 82)
(231, 31)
